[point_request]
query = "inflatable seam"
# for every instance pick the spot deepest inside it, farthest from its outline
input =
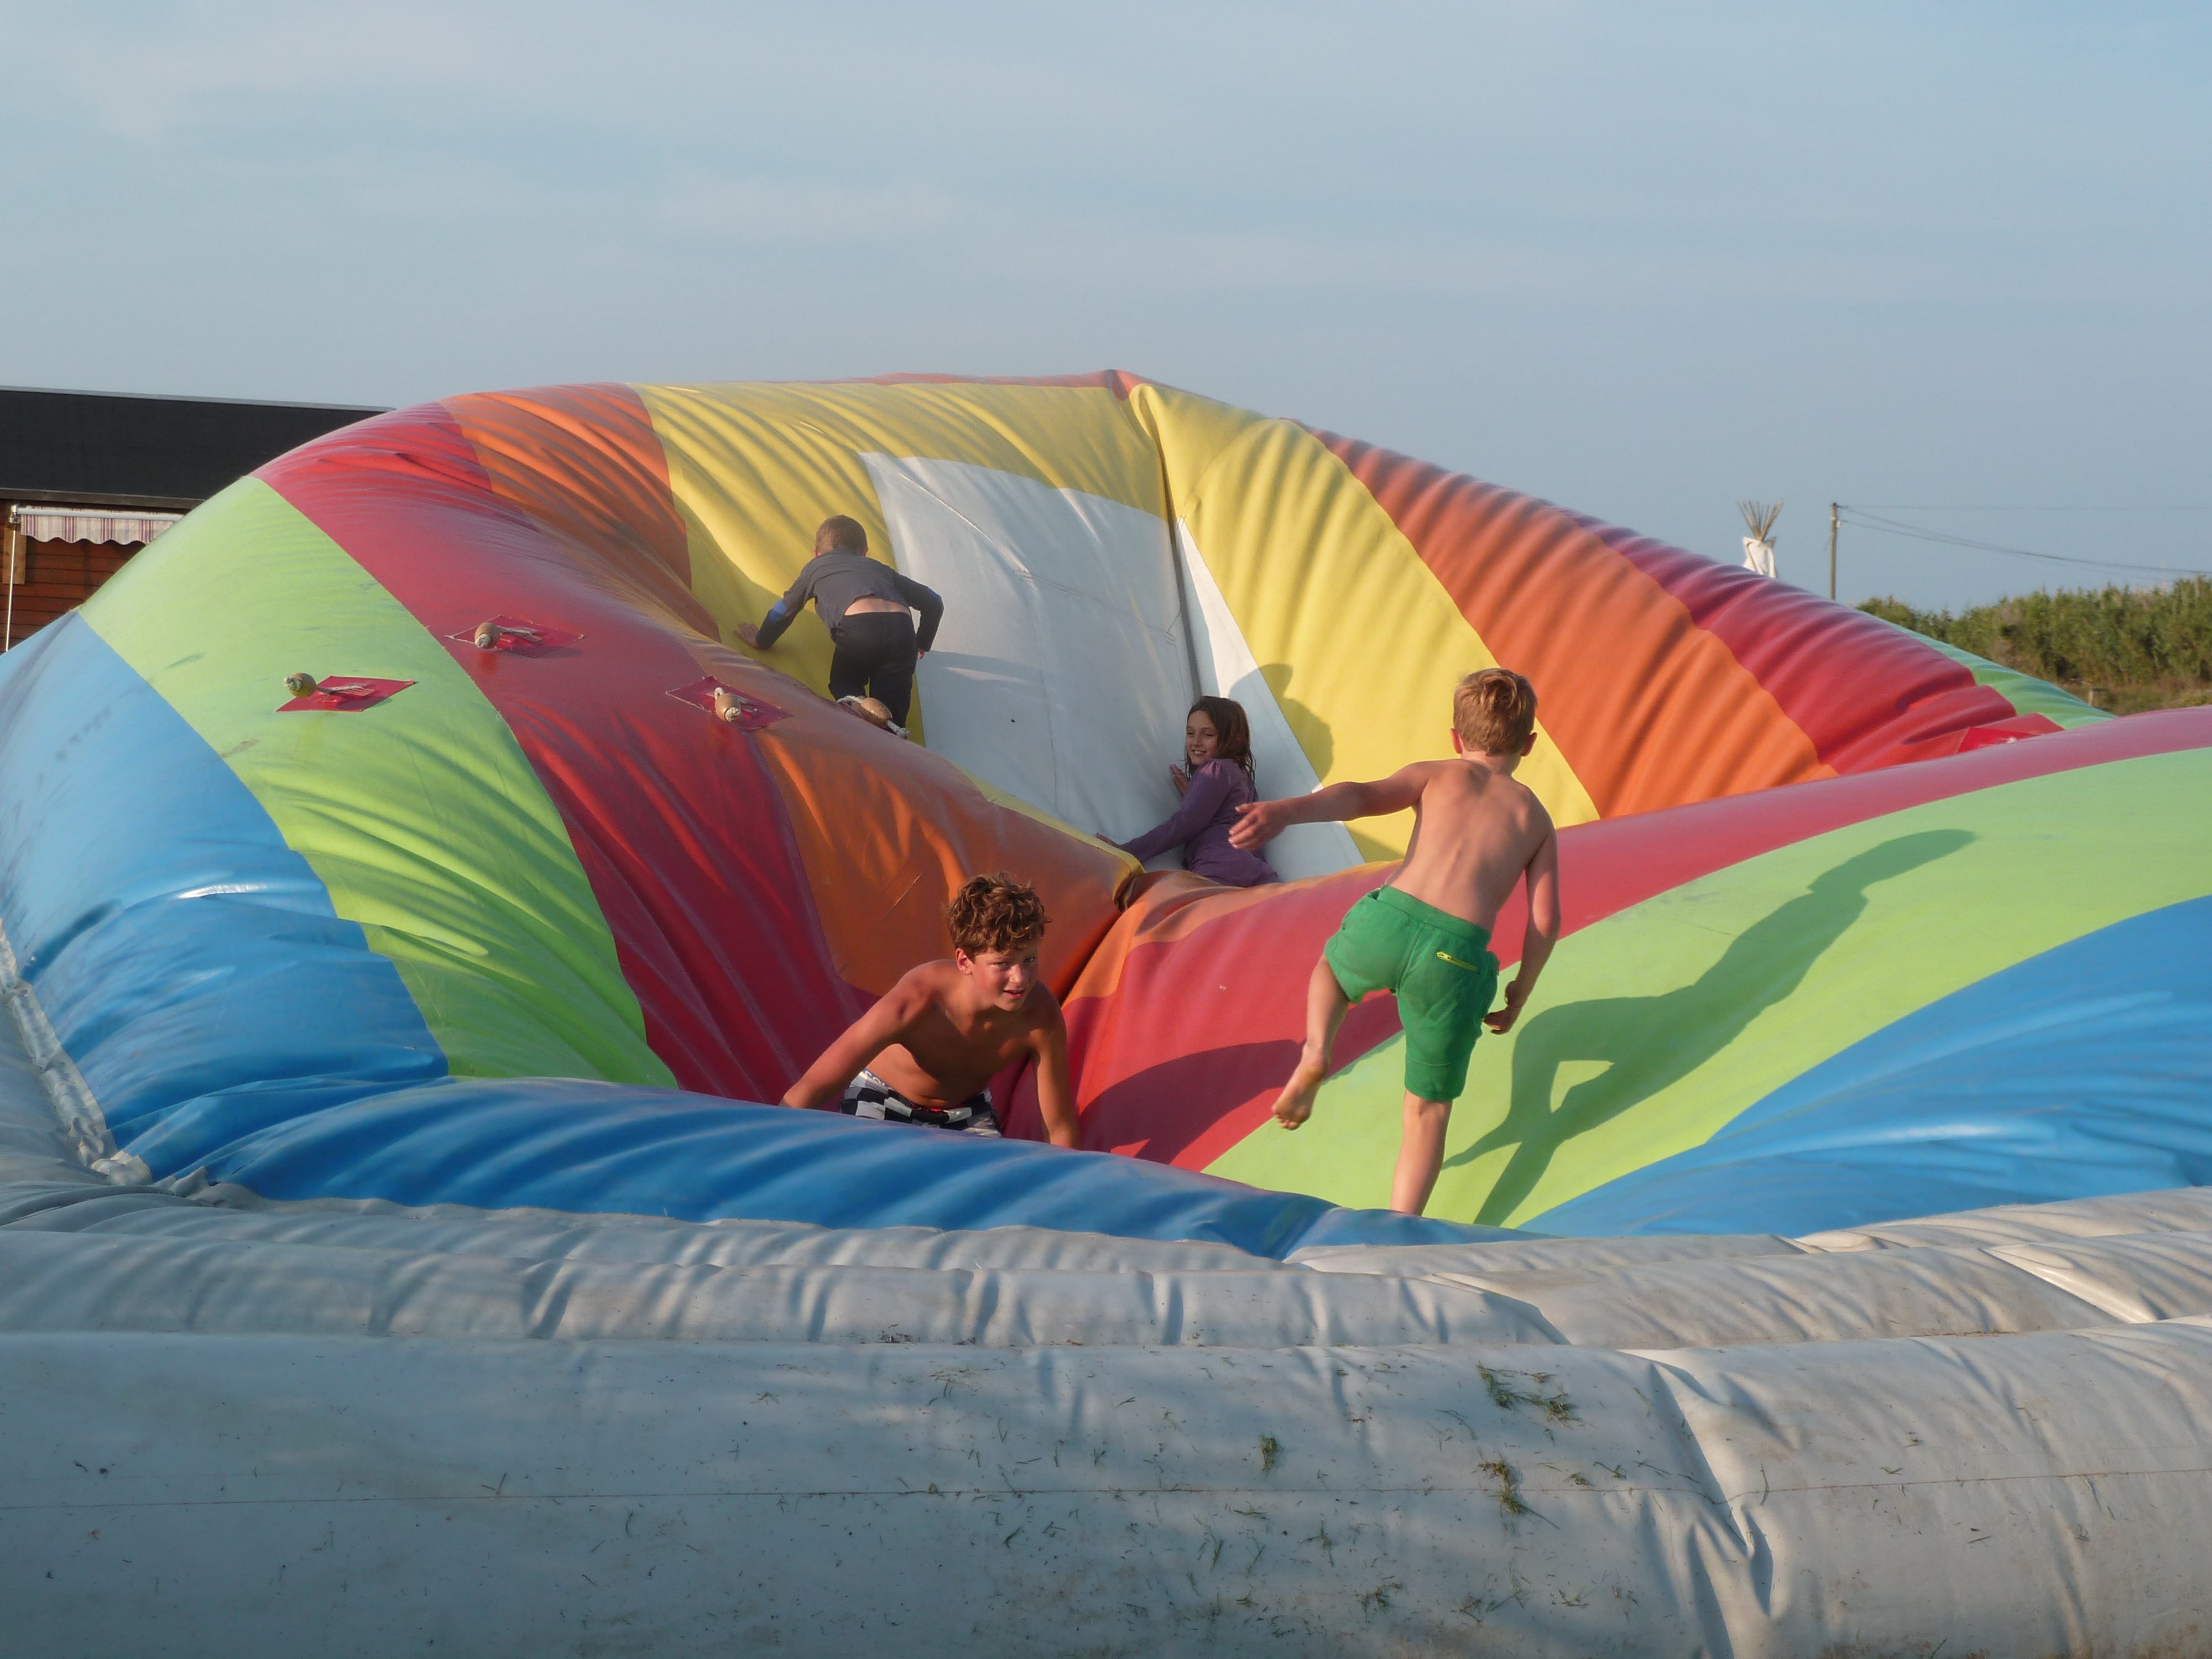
(83, 1124)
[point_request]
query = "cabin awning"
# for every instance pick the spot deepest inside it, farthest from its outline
(92, 524)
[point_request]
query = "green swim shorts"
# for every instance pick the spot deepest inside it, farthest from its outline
(1440, 966)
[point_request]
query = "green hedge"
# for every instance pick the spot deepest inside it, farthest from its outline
(2125, 648)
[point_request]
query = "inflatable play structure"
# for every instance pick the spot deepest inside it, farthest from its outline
(394, 1251)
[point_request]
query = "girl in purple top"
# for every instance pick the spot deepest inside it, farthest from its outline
(1217, 740)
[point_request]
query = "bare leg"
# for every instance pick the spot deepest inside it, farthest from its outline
(1420, 1154)
(1325, 1007)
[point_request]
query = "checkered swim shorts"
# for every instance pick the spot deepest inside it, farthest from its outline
(869, 1096)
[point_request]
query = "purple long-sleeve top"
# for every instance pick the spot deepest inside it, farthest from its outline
(1201, 828)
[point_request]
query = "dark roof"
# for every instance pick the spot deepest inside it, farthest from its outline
(109, 449)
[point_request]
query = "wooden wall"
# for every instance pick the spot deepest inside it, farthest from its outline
(55, 577)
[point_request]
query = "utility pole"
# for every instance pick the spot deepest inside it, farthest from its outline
(1834, 510)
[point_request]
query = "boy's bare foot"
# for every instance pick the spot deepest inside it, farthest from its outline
(1296, 1103)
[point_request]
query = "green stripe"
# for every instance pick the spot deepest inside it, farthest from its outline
(421, 816)
(1669, 1019)
(2027, 694)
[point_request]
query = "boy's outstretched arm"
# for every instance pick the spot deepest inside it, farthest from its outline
(1262, 821)
(780, 615)
(1056, 1093)
(823, 1085)
(1541, 935)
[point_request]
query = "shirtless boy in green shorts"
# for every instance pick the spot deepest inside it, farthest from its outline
(926, 1052)
(1425, 935)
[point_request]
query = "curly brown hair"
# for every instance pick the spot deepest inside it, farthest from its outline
(995, 913)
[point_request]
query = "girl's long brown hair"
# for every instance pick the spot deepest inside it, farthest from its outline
(1234, 731)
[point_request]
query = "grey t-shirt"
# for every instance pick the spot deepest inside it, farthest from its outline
(834, 580)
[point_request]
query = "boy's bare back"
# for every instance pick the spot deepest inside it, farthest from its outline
(1475, 831)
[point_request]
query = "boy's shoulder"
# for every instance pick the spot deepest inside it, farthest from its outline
(1433, 771)
(1527, 801)
(928, 981)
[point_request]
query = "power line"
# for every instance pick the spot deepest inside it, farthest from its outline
(1867, 520)
(1954, 507)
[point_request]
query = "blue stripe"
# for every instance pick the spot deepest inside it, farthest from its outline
(190, 962)
(2084, 1070)
(226, 1018)
(611, 1148)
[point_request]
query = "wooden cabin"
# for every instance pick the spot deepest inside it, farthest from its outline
(87, 478)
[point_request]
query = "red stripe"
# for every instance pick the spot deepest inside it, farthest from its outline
(1181, 1058)
(676, 823)
(1868, 695)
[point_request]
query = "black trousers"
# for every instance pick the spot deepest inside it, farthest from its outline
(874, 659)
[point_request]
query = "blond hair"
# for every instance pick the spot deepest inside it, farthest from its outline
(1494, 711)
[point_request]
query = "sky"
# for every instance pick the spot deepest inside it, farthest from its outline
(1946, 264)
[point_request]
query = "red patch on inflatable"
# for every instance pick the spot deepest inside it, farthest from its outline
(753, 714)
(343, 694)
(520, 636)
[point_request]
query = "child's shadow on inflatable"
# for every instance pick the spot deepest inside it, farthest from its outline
(1312, 731)
(1646, 1043)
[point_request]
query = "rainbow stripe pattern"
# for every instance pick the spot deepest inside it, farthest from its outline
(1858, 926)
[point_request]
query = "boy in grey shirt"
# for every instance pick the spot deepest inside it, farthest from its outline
(868, 608)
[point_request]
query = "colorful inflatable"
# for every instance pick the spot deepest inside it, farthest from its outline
(406, 1032)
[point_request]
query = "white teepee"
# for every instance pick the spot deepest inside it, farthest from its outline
(1759, 546)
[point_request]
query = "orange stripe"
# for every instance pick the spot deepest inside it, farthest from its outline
(887, 831)
(1650, 709)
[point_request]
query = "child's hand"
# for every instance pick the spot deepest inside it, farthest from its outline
(1179, 778)
(1501, 1020)
(1258, 822)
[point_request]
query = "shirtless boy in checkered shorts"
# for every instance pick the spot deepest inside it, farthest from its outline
(926, 1052)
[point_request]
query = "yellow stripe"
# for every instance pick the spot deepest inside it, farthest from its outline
(1358, 639)
(1359, 642)
(755, 468)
